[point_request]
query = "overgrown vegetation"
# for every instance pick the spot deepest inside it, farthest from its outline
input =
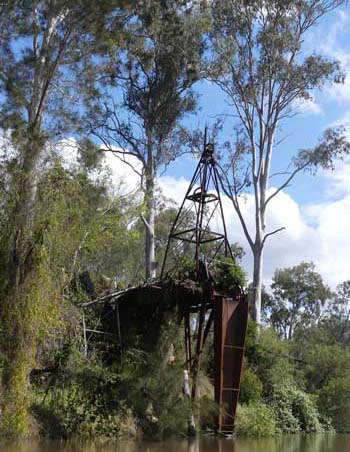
(302, 377)
(80, 79)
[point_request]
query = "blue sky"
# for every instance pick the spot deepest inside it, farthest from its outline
(331, 38)
(315, 209)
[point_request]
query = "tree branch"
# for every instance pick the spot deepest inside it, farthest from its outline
(271, 233)
(286, 183)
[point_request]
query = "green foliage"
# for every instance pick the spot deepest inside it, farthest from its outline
(228, 274)
(77, 227)
(279, 382)
(83, 405)
(270, 357)
(334, 401)
(38, 42)
(15, 421)
(160, 383)
(294, 410)
(298, 294)
(251, 387)
(91, 399)
(158, 88)
(66, 237)
(255, 419)
(27, 319)
(335, 327)
(321, 362)
(325, 368)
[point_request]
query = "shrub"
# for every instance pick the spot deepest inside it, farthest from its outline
(255, 419)
(305, 411)
(229, 275)
(294, 410)
(251, 387)
(271, 360)
(334, 400)
(85, 404)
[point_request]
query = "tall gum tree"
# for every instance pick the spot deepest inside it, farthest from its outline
(298, 296)
(41, 43)
(154, 78)
(258, 60)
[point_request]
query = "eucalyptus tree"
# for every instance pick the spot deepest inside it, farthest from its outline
(259, 61)
(154, 77)
(337, 322)
(41, 44)
(298, 295)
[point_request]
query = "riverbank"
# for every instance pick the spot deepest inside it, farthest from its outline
(140, 395)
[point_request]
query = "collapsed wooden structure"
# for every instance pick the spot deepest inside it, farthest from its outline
(187, 285)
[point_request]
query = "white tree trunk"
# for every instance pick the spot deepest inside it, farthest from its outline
(257, 284)
(149, 224)
(191, 425)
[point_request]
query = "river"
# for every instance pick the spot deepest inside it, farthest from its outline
(289, 443)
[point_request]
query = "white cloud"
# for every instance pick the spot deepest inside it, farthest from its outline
(319, 233)
(67, 150)
(332, 41)
(339, 92)
(174, 189)
(286, 248)
(308, 106)
(344, 120)
(123, 172)
(325, 39)
(338, 181)
(125, 180)
(316, 232)
(333, 239)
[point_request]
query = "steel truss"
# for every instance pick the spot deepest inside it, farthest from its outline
(195, 233)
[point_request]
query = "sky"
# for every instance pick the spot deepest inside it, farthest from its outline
(315, 210)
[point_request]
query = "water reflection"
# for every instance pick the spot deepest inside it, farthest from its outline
(292, 443)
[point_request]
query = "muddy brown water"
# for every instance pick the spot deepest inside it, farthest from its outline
(295, 443)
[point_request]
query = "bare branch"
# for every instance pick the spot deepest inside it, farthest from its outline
(287, 181)
(145, 222)
(228, 192)
(271, 233)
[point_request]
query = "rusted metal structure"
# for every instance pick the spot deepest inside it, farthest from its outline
(192, 233)
(199, 235)
(196, 244)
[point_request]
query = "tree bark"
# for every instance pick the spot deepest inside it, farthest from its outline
(149, 225)
(19, 313)
(18, 306)
(22, 213)
(257, 284)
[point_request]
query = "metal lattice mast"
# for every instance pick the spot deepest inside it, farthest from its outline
(203, 201)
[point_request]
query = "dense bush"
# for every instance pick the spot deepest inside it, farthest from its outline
(251, 387)
(334, 402)
(294, 410)
(278, 380)
(270, 357)
(85, 403)
(229, 275)
(255, 419)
